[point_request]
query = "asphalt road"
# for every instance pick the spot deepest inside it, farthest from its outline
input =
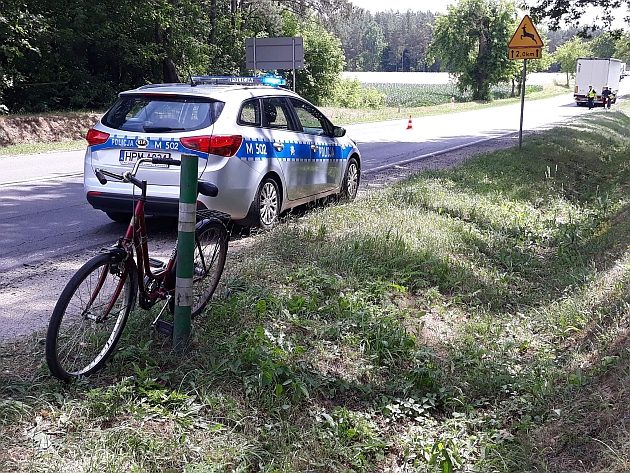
(47, 229)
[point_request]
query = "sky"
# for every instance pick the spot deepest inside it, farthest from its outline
(440, 6)
(436, 6)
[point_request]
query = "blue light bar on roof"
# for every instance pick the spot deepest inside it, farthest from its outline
(271, 80)
(274, 81)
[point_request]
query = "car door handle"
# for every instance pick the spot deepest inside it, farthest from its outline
(278, 146)
(314, 148)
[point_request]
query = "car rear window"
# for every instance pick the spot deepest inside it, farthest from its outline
(162, 114)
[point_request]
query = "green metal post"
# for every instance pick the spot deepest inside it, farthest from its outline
(185, 251)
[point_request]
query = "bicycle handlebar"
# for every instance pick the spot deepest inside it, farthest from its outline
(130, 176)
(168, 161)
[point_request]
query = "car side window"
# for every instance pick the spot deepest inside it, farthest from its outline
(276, 113)
(250, 113)
(312, 120)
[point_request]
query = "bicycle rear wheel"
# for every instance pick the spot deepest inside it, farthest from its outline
(211, 245)
(89, 317)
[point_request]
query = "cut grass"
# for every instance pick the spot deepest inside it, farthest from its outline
(474, 318)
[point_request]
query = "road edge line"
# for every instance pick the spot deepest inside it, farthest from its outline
(436, 153)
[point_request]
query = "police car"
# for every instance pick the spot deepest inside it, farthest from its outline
(264, 147)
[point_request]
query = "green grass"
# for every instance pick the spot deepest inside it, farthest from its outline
(474, 319)
(31, 148)
(347, 116)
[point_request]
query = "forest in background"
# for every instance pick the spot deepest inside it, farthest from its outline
(79, 54)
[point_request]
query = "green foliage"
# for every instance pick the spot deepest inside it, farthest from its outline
(470, 42)
(18, 28)
(622, 48)
(604, 45)
(352, 94)
(323, 59)
(386, 40)
(568, 54)
(353, 436)
(79, 55)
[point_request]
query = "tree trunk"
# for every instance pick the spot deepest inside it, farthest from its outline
(233, 11)
(213, 22)
(169, 71)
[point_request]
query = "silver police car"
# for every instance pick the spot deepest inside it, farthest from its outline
(264, 147)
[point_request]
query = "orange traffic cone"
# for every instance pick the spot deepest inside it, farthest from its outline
(409, 125)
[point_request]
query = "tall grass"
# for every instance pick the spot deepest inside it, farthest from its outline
(474, 319)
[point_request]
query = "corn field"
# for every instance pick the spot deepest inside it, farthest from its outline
(420, 95)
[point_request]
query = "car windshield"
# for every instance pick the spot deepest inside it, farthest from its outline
(162, 114)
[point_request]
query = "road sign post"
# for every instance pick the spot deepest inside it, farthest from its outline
(525, 44)
(520, 129)
(185, 251)
(275, 53)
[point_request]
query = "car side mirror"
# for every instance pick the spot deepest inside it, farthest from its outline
(338, 132)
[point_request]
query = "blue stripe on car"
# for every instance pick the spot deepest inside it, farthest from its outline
(253, 149)
(153, 144)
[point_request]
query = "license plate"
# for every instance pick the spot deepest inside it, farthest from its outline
(129, 157)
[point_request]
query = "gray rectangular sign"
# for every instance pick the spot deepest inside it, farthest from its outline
(274, 53)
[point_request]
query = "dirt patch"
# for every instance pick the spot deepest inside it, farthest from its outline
(45, 128)
(591, 430)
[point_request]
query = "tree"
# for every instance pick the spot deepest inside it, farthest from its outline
(323, 58)
(568, 54)
(372, 45)
(470, 41)
(18, 29)
(603, 45)
(622, 48)
(572, 11)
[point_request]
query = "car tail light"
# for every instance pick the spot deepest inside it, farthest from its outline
(222, 145)
(576, 89)
(96, 137)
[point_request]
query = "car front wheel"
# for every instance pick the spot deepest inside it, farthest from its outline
(351, 180)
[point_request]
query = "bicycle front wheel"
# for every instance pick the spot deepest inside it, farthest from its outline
(211, 245)
(89, 317)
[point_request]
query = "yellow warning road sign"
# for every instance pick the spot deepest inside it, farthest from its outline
(526, 36)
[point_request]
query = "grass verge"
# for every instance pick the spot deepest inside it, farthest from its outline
(43, 147)
(474, 319)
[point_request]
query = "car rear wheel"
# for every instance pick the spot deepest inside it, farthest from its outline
(267, 204)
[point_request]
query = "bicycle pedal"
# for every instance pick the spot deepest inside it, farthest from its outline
(156, 263)
(164, 327)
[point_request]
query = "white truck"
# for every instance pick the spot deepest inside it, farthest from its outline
(598, 73)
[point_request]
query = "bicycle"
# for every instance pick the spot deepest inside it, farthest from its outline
(91, 312)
